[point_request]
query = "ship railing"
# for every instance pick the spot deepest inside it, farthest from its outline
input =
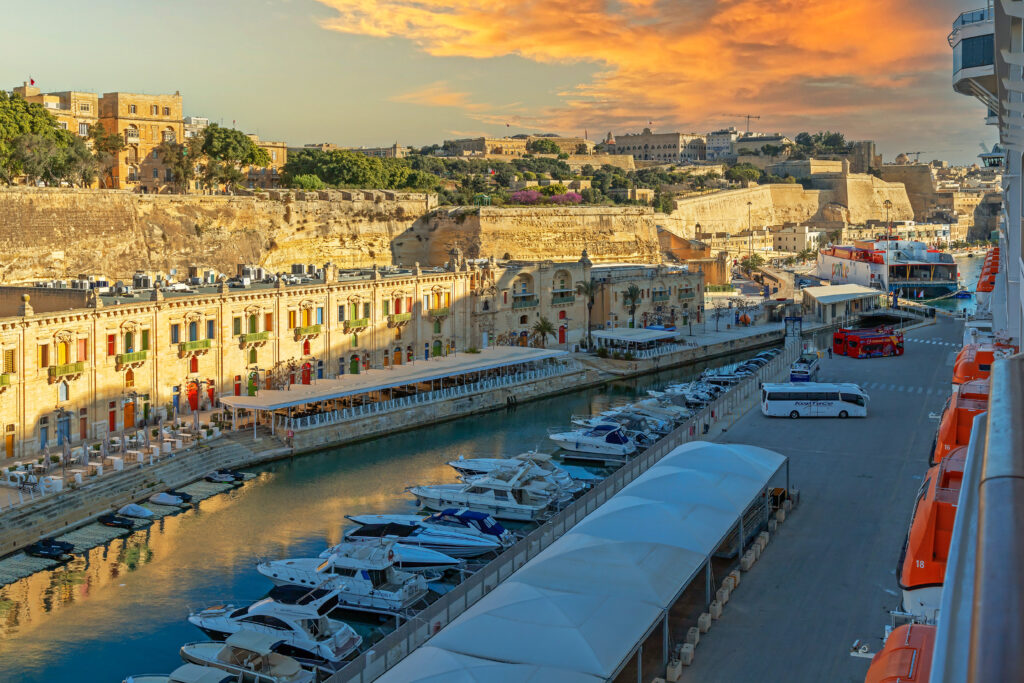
(395, 646)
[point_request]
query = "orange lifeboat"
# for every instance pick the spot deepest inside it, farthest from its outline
(967, 400)
(975, 360)
(906, 657)
(923, 562)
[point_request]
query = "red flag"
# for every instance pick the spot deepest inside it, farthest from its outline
(31, 81)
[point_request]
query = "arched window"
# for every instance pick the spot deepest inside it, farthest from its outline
(129, 342)
(561, 315)
(355, 340)
(252, 324)
(62, 391)
(129, 379)
(305, 348)
(522, 320)
(252, 356)
(62, 353)
(193, 364)
(193, 331)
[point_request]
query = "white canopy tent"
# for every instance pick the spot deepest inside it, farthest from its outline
(586, 602)
(435, 665)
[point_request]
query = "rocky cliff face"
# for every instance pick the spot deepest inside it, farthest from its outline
(625, 233)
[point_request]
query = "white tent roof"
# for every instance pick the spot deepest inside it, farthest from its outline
(584, 603)
(633, 334)
(832, 294)
(435, 665)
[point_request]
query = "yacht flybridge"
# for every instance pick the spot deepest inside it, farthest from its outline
(504, 494)
(364, 576)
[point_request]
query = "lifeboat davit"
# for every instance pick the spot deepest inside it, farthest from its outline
(966, 401)
(922, 567)
(906, 657)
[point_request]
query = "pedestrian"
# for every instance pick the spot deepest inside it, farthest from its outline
(830, 353)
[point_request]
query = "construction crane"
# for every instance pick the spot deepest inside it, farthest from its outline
(745, 116)
(917, 156)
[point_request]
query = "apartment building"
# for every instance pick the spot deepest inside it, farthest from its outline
(797, 238)
(74, 110)
(268, 177)
(669, 295)
(145, 121)
(669, 148)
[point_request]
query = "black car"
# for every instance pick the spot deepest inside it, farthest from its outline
(116, 521)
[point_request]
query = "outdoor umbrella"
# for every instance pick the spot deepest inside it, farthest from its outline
(195, 421)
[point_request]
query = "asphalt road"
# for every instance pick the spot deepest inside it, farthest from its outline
(829, 575)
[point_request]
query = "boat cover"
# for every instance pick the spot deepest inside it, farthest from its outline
(133, 510)
(164, 499)
(478, 520)
(580, 606)
(383, 530)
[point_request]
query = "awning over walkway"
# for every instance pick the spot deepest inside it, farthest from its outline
(397, 376)
(583, 604)
(638, 335)
(833, 294)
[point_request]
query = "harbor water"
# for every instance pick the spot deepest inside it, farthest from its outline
(970, 270)
(121, 609)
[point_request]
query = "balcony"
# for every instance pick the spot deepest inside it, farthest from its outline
(357, 324)
(685, 295)
(307, 331)
(660, 296)
(254, 337)
(973, 43)
(528, 301)
(132, 358)
(66, 370)
(396, 319)
(199, 345)
(438, 312)
(563, 298)
(5, 379)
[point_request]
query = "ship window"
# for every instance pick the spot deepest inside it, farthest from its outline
(269, 622)
(500, 495)
(343, 571)
(378, 577)
(239, 613)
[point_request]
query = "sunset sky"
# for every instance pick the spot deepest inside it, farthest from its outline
(372, 72)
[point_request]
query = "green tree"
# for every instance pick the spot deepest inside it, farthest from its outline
(182, 159)
(21, 118)
(632, 297)
(752, 263)
(541, 329)
(105, 148)
(229, 150)
(79, 166)
(542, 146)
(553, 189)
(588, 289)
(38, 157)
(743, 173)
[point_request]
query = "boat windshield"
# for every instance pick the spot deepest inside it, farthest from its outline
(617, 437)
(318, 629)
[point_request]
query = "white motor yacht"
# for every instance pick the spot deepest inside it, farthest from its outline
(542, 466)
(251, 656)
(604, 440)
(411, 558)
(364, 575)
(188, 673)
(503, 493)
(459, 520)
(451, 543)
(297, 619)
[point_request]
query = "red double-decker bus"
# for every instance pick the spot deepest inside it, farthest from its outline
(873, 343)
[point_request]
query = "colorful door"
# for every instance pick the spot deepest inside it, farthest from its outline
(193, 395)
(238, 385)
(307, 373)
(561, 334)
(353, 365)
(437, 347)
(129, 414)
(9, 444)
(83, 428)
(397, 356)
(211, 391)
(112, 421)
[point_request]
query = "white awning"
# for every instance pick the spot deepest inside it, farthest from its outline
(833, 294)
(583, 604)
(634, 334)
(396, 376)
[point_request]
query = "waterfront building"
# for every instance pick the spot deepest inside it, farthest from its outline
(668, 148)
(669, 296)
(796, 238)
(719, 143)
(144, 121)
(739, 244)
(268, 177)
(74, 110)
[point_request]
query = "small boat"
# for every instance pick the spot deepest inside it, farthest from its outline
(364, 576)
(297, 619)
(411, 558)
(47, 551)
(168, 499)
(906, 657)
(963, 294)
(461, 520)
(967, 400)
(220, 478)
(116, 521)
(542, 466)
(604, 440)
(133, 510)
(188, 673)
(502, 494)
(251, 655)
(450, 542)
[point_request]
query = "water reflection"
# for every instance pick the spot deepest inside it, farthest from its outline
(122, 607)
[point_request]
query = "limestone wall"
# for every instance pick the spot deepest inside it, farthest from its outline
(609, 233)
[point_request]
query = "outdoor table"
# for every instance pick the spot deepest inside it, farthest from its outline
(155, 452)
(136, 454)
(117, 463)
(78, 474)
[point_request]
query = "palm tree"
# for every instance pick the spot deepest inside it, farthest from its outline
(589, 289)
(542, 328)
(631, 298)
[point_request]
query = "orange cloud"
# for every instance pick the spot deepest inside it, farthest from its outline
(440, 94)
(686, 63)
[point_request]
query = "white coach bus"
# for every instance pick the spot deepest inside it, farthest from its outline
(811, 399)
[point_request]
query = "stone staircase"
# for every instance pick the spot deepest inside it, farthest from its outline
(61, 512)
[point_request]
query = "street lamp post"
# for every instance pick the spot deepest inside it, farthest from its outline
(888, 239)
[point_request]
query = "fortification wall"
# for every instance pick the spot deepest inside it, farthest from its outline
(623, 233)
(917, 179)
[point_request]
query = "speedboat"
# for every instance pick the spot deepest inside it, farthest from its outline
(251, 655)
(297, 619)
(541, 466)
(410, 558)
(608, 441)
(460, 520)
(451, 543)
(116, 521)
(503, 493)
(189, 673)
(364, 576)
(539, 487)
(169, 499)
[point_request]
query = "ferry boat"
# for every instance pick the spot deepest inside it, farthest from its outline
(364, 576)
(906, 657)
(966, 401)
(868, 343)
(251, 656)
(909, 268)
(460, 520)
(504, 494)
(922, 566)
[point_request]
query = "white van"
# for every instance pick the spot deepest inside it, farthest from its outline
(811, 399)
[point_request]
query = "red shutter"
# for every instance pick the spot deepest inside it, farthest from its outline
(111, 344)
